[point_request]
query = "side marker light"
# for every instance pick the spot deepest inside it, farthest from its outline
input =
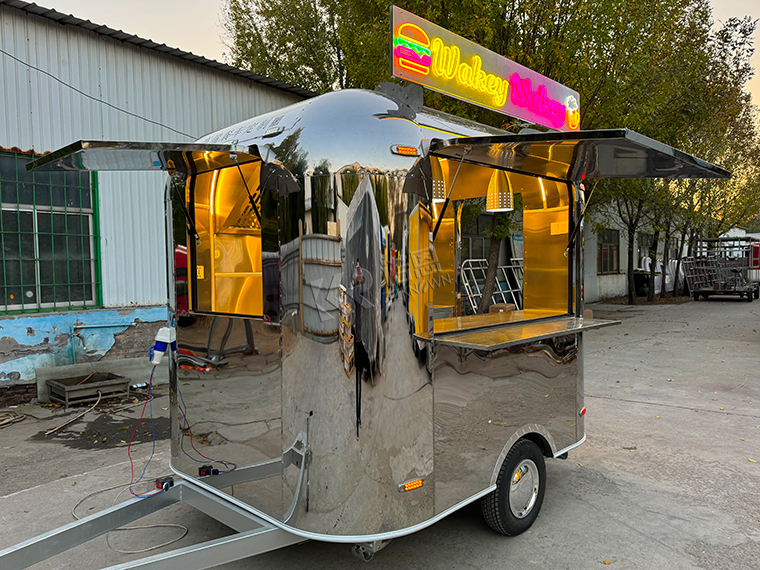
(411, 485)
(404, 150)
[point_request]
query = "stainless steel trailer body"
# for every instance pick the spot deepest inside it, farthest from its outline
(440, 408)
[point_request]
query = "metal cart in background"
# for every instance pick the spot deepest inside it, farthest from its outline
(724, 266)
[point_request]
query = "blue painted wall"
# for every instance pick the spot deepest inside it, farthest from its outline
(57, 339)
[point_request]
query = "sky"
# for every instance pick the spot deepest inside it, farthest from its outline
(195, 25)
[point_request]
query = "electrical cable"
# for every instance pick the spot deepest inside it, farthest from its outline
(182, 440)
(182, 408)
(29, 65)
(137, 527)
(8, 418)
(145, 527)
(132, 482)
(72, 420)
(153, 433)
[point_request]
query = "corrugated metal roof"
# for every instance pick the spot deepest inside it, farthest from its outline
(70, 20)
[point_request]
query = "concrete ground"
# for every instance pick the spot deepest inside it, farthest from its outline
(666, 479)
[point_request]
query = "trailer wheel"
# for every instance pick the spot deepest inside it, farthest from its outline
(750, 296)
(757, 293)
(514, 505)
(696, 296)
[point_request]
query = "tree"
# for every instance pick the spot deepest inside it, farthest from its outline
(502, 226)
(649, 65)
(297, 41)
(723, 129)
(626, 203)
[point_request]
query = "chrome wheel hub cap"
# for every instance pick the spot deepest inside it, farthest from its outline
(523, 488)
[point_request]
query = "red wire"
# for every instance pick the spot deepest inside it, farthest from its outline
(129, 447)
(187, 424)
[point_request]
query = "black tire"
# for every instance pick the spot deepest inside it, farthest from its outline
(757, 293)
(696, 296)
(511, 510)
(750, 295)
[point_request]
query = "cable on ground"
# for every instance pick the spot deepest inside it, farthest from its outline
(8, 418)
(123, 487)
(182, 408)
(75, 418)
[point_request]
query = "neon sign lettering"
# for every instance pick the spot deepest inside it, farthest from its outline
(436, 58)
(446, 64)
(537, 101)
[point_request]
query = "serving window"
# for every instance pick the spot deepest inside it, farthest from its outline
(530, 282)
(231, 216)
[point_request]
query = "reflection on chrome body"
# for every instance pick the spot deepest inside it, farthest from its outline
(327, 354)
(228, 410)
(377, 363)
(486, 399)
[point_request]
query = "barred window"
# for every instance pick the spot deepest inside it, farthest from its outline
(608, 251)
(48, 231)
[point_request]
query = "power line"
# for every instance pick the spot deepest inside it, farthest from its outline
(22, 62)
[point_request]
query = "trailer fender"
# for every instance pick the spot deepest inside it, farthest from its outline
(538, 434)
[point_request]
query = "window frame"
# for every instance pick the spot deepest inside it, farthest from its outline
(603, 243)
(91, 214)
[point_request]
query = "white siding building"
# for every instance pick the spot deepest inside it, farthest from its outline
(64, 79)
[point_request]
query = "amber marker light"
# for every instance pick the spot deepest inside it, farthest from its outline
(411, 485)
(404, 150)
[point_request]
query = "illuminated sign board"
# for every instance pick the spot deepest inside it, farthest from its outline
(431, 56)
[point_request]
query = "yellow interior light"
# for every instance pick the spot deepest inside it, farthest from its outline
(499, 197)
(411, 485)
(439, 189)
(543, 192)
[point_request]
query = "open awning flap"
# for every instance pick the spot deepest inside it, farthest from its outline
(574, 156)
(188, 158)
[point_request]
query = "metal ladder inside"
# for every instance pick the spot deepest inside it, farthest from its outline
(508, 286)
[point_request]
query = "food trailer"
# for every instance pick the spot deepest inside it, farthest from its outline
(460, 407)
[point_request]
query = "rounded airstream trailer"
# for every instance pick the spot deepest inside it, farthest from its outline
(351, 416)
(303, 392)
(400, 411)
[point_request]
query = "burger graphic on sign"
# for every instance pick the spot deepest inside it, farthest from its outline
(411, 48)
(573, 114)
